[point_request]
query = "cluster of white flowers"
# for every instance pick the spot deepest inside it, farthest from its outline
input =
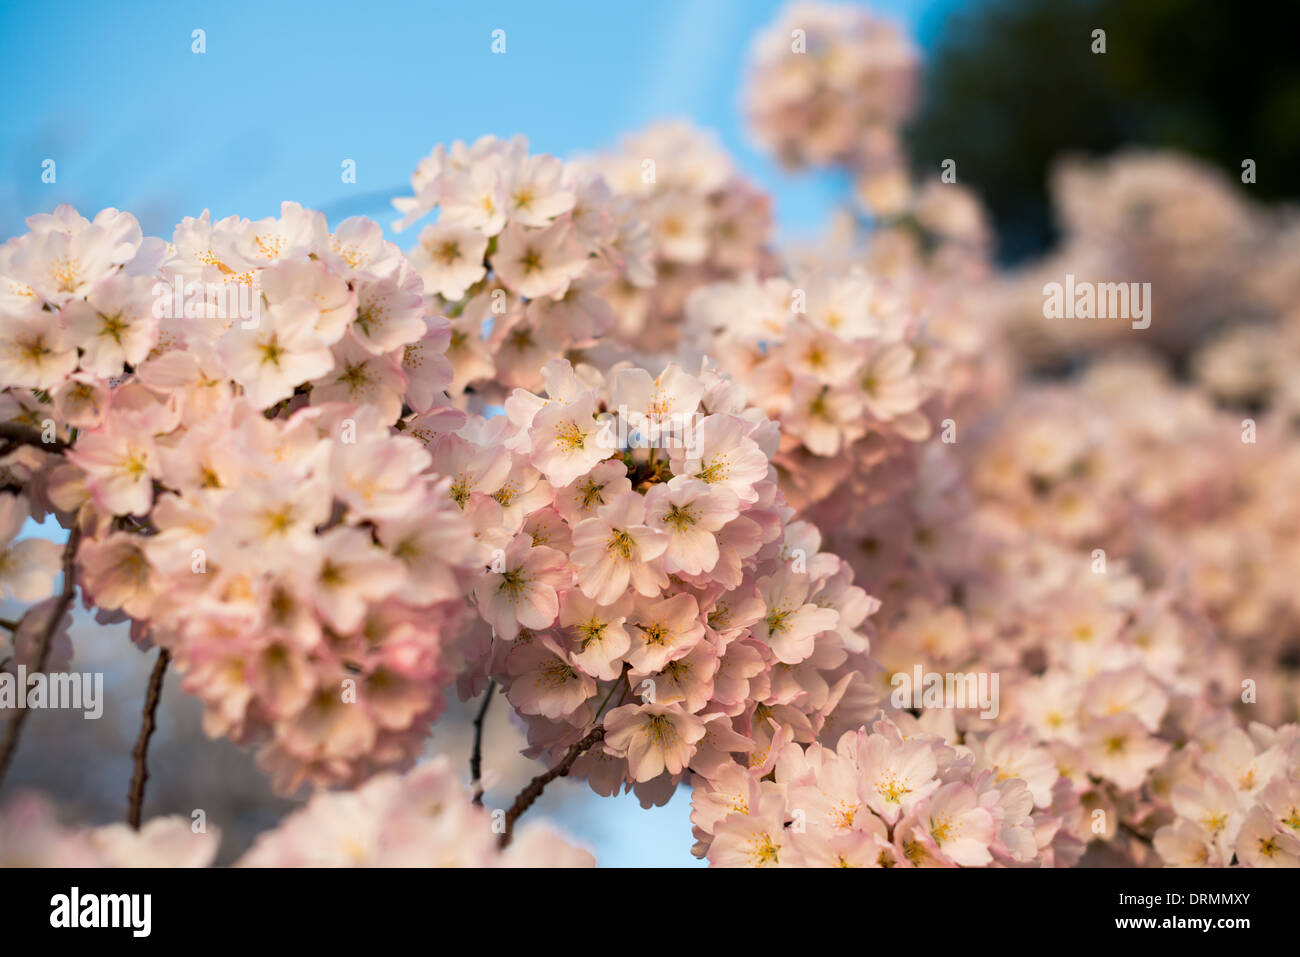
(520, 256)
(227, 404)
(892, 796)
(1235, 798)
(707, 223)
(644, 554)
(847, 367)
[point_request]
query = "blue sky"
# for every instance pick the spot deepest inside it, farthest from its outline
(286, 91)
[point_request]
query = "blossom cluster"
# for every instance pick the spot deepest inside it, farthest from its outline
(1212, 258)
(422, 819)
(649, 579)
(521, 256)
(845, 364)
(27, 565)
(1114, 701)
(1235, 798)
(698, 508)
(32, 836)
(832, 84)
(1122, 683)
(894, 795)
(1177, 487)
(1110, 544)
(707, 223)
(241, 492)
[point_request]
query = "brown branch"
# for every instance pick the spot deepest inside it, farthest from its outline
(148, 724)
(476, 756)
(535, 787)
(43, 645)
(1134, 833)
(15, 433)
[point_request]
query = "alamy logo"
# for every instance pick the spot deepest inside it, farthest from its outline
(932, 689)
(230, 301)
(103, 910)
(1091, 300)
(55, 691)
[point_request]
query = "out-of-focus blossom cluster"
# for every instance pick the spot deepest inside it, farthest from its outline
(1120, 565)
(1111, 545)
(833, 84)
(1210, 256)
(421, 819)
(863, 347)
(228, 405)
(32, 836)
(649, 578)
(520, 257)
(706, 221)
(28, 567)
(1184, 491)
(1249, 363)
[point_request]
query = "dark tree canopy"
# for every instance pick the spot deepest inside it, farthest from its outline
(1013, 84)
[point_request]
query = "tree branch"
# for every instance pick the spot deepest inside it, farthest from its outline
(476, 756)
(1134, 833)
(43, 645)
(16, 433)
(535, 787)
(148, 724)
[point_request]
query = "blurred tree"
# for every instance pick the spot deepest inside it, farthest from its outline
(1013, 84)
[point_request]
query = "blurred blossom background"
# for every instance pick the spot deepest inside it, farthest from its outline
(286, 93)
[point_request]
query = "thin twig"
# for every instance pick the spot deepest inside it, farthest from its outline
(16, 433)
(535, 787)
(476, 756)
(148, 723)
(619, 682)
(43, 646)
(612, 688)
